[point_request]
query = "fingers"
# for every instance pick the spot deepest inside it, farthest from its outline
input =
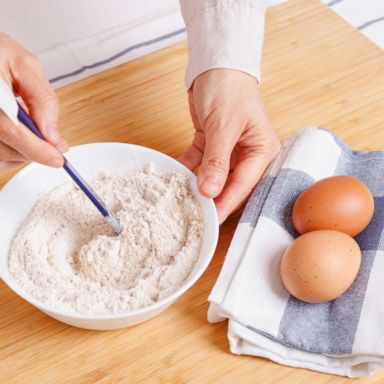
(31, 84)
(215, 164)
(7, 165)
(30, 147)
(227, 107)
(192, 157)
(24, 74)
(240, 184)
(9, 154)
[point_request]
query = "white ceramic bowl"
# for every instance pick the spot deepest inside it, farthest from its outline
(23, 190)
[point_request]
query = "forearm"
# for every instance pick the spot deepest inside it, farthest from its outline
(224, 34)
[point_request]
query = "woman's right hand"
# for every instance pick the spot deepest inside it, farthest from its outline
(24, 75)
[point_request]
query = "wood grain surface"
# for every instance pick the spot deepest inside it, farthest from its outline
(317, 70)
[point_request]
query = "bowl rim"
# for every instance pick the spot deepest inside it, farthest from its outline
(188, 283)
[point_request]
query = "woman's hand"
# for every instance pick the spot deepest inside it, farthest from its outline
(24, 74)
(234, 141)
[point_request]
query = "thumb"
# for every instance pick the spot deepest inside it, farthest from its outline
(42, 102)
(215, 164)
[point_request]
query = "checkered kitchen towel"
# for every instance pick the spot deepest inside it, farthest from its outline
(345, 336)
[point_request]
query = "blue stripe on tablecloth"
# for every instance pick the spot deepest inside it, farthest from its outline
(255, 203)
(119, 54)
(328, 327)
(334, 2)
(367, 167)
(371, 22)
(372, 237)
(286, 188)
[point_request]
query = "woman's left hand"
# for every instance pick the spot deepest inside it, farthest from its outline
(234, 140)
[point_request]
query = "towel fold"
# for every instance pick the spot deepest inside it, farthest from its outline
(342, 337)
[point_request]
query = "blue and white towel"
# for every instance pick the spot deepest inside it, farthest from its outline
(343, 337)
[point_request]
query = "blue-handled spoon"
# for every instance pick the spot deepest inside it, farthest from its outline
(83, 185)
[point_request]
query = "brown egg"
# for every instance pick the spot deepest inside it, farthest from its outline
(340, 203)
(320, 265)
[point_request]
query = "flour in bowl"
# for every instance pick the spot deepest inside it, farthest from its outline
(66, 256)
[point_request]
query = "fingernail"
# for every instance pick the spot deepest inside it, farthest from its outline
(211, 187)
(53, 133)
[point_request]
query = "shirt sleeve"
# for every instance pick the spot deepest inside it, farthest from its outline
(223, 34)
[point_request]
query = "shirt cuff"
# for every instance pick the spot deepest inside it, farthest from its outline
(224, 34)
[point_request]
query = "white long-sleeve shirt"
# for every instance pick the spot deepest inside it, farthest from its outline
(223, 34)
(77, 38)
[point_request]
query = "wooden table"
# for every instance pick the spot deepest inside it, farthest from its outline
(317, 70)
